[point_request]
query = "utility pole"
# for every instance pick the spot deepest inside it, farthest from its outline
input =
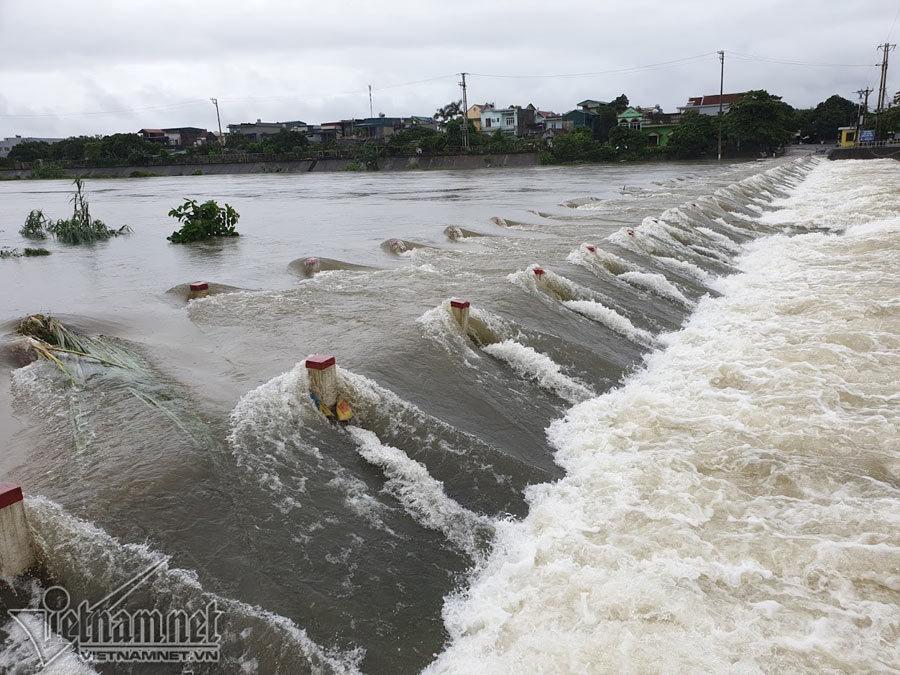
(863, 108)
(882, 87)
(371, 107)
(721, 93)
(215, 102)
(465, 113)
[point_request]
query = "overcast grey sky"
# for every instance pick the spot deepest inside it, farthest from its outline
(155, 64)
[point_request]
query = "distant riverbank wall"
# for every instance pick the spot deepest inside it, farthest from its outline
(891, 151)
(423, 163)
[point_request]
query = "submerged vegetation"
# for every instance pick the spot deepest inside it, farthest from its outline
(52, 340)
(26, 253)
(35, 226)
(203, 221)
(81, 228)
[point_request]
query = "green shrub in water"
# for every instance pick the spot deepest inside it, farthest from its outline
(203, 221)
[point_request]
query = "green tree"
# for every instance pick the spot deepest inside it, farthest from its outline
(889, 121)
(693, 137)
(285, 141)
(628, 143)
(451, 111)
(759, 122)
(30, 151)
(821, 123)
(576, 146)
(619, 103)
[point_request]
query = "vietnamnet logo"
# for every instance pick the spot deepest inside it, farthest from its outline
(103, 633)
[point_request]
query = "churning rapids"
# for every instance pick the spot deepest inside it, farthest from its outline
(723, 496)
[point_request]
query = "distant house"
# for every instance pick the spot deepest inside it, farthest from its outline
(541, 117)
(580, 119)
(155, 135)
(656, 124)
(258, 130)
(383, 127)
(185, 137)
(590, 105)
(9, 143)
(473, 114)
(513, 120)
(709, 105)
(630, 118)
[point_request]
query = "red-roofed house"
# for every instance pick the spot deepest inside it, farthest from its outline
(709, 105)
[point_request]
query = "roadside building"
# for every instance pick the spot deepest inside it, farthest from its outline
(709, 105)
(847, 138)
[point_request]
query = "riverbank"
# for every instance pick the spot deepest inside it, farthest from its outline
(436, 162)
(878, 152)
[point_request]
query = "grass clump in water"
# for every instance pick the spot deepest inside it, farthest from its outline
(35, 226)
(81, 228)
(203, 221)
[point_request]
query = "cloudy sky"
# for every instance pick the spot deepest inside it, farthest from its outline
(99, 66)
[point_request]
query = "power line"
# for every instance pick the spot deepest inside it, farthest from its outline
(203, 101)
(631, 69)
(789, 62)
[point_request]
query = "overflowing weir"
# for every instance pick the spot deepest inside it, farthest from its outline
(465, 510)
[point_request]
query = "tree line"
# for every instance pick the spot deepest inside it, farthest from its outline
(759, 123)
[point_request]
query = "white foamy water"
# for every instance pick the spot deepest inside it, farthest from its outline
(734, 506)
(540, 368)
(611, 319)
(656, 283)
(421, 495)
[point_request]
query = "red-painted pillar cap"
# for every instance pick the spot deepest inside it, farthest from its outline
(591, 248)
(461, 304)
(10, 493)
(199, 286)
(538, 271)
(319, 361)
(312, 260)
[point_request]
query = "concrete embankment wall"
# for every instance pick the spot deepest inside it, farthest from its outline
(881, 152)
(441, 162)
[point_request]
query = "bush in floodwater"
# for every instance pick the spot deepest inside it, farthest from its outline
(81, 228)
(35, 226)
(27, 253)
(203, 221)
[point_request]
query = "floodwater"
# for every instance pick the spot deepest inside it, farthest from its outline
(723, 494)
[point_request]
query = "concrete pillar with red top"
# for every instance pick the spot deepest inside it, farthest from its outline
(323, 381)
(16, 546)
(460, 311)
(199, 289)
